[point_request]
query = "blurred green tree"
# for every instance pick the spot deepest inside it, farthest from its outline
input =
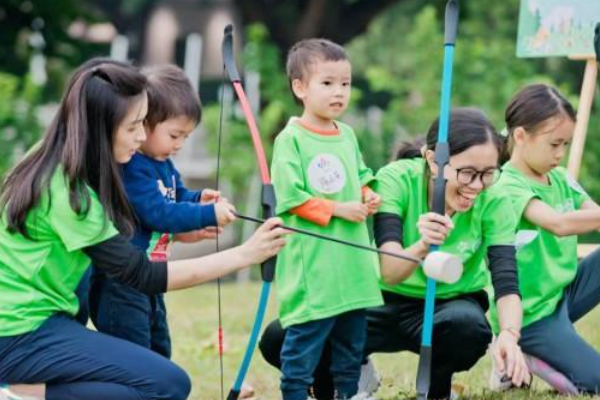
(238, 162)
(19, 125)
(291, 20)
(19, 19)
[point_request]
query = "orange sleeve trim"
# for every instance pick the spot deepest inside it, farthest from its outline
(316, 210)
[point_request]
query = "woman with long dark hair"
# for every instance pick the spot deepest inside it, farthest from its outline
(63, 206)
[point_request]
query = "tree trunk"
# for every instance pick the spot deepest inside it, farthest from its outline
(292, 20)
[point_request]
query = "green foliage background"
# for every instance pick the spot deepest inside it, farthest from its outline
(396, 66)
(19, 126)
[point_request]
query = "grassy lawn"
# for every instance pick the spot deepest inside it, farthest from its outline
(193, 321)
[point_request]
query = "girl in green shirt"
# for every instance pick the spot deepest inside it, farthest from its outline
(552, 209)
(64, 206)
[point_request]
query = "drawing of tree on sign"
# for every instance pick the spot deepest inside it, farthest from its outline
(557, 27)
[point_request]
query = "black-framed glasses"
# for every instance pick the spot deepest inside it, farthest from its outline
(467, 175)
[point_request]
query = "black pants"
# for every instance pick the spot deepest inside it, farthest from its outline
(554, 338)
(461, 335)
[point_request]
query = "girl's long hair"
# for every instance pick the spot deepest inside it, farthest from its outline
(80, 141)
(531, 106)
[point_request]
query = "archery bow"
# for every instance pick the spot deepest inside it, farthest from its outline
(268, 207)
(442, 154)
(217, 187)
(597, 41)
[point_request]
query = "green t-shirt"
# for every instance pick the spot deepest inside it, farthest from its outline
(547, 263)
(490, 222)
(315, 278)
(38, 277)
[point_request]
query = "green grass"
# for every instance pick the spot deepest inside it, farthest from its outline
(193, 322)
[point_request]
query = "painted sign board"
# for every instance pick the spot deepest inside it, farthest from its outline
(557, 27)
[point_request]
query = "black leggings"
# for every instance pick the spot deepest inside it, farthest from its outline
(460, 338)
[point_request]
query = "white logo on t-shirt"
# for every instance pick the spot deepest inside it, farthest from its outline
(524, 237)
(469, 246)
(567, 206)
(168, 193)
(326, 174)
(575, 185)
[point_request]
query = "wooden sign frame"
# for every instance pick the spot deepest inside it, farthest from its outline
(586, 99)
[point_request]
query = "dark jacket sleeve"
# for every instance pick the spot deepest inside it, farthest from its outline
(387, 227)
(121, 260)
(502, 263)
(156, 212)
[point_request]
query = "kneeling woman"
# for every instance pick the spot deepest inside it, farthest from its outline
(65, 205)
(479, 228)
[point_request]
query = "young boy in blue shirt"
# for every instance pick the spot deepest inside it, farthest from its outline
(165, 209)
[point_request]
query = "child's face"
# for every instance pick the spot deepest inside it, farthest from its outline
(326, 92)
(544, 148)
(167, 137)
(480, 162)
(130, 133)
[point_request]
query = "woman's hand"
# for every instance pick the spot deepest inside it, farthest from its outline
(509, 360)
(434, 228)
(266, 242)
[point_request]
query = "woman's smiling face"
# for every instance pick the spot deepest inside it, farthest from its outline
(480, 160)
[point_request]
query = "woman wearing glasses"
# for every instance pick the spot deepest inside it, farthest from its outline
(479, 227)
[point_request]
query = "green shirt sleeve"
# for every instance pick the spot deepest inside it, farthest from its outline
(392, 189)
(77, 231)
(288, 175)
(520, 196)
(499, 220)
(580, 195)
(365, 174)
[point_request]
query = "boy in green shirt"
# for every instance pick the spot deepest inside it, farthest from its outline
(321, 184)
(480, 231)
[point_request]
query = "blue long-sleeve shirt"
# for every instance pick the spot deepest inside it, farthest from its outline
(161, 203)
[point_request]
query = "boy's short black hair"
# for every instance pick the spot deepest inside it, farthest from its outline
(170, 94)
(309, 51)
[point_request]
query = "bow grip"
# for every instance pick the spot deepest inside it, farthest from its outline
(442, 154)
(269, 202)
